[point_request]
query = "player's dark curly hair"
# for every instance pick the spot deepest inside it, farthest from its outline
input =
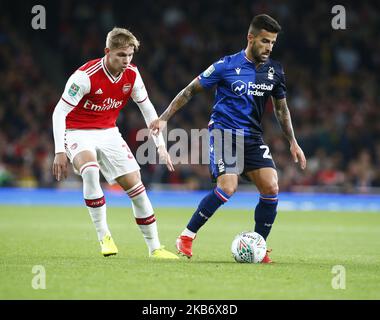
(263, 21)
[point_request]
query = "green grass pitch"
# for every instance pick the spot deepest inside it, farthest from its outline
(306, 246)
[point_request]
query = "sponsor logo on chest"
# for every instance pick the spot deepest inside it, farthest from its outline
(107, 104)
(257, 88)
(251, 88)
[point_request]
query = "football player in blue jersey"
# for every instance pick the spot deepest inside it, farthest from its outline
(244, 81)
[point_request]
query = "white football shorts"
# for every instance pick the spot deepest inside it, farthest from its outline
(112, 153)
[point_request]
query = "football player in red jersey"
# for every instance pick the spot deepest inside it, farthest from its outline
(85, 131)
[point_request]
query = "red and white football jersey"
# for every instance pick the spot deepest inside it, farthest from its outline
(97, 96)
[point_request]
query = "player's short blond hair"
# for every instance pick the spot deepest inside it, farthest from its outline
(120, 38)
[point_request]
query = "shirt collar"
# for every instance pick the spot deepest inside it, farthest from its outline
(108, 73)
(245, 59)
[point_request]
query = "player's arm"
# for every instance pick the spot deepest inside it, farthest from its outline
(182, 98)
(76, 87)
(282, 113)
(206, 80)
(141, 98)
(284, 119)
(60, 113)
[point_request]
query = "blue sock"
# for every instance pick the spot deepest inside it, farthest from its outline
(206, 208)
(265, 214)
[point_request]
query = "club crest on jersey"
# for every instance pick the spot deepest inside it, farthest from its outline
(126, 88)
(73, 90)
(270, 73)
(209, 71)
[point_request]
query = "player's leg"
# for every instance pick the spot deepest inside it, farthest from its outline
(142, 208)
(144, 213)
(261, 170)
(226, 187)
(266, 182)
(81, 150)
(227, 183)
(118, 164)
(86, 165)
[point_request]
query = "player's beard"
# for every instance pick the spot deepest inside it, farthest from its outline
(258, 56)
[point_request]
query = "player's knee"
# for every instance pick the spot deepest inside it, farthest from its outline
(228, 184)
(91, 183)
(271, 189)
(130, 180)
(90, 172)
(229, 189)
(91, 166)
(136, 190)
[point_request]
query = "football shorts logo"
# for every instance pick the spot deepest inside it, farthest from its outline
(221, 166)
(239, 87)
(126, 88)
(73, 90)
(130, 155)
(74, 146)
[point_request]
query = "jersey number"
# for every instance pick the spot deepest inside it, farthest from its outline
(266, 154)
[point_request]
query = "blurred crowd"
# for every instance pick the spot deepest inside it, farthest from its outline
(332, 78)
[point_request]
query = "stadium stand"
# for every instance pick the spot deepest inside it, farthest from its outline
(331, 78)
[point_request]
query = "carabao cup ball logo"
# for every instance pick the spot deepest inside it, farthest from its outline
(239, 87)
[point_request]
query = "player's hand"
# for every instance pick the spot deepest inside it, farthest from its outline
(297, 154)
(165, 157)
(157, 126)
(60, 166)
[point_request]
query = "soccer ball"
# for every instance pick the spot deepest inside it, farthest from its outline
(249, 247)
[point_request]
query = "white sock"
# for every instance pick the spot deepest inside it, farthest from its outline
(188, 233)
(144, 215)
(94, 198)
(99, 218)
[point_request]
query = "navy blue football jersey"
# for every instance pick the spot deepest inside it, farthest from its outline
(242, 91)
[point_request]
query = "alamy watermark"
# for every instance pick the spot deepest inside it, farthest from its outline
(339, 19)
(39, 280)
(338, 22)
(39, 19)
(223, 148)
(339, 279)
